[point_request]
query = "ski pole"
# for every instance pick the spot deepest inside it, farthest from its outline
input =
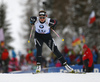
(56, 34)
(30, 34)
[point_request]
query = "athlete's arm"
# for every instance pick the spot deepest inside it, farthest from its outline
(52, 23)
(33, 20)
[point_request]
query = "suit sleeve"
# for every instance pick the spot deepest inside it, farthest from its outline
(85, 56)
(52, 23)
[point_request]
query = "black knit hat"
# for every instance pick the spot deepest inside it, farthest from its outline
(42, 13)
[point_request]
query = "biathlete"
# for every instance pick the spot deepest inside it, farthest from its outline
(43, 24)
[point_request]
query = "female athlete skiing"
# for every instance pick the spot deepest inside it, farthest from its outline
(42, 35)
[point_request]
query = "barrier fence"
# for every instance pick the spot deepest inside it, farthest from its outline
(78, 68)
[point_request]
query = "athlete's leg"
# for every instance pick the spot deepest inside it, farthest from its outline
(51, 44)
(38, 43)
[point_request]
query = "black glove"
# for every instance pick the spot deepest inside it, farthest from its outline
(52, 23)
(53, 27)
(33, 20)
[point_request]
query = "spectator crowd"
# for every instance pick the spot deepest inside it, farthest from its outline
(28, 61)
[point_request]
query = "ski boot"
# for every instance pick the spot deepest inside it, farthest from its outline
(69, 69)
(38, 69)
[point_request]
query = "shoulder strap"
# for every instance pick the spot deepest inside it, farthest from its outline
(47, 20)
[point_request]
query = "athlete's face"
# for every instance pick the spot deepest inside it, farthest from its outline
(42, 18)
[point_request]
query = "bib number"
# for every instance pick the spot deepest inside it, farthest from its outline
(41, 31)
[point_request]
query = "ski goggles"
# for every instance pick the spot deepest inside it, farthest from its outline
(42, 17)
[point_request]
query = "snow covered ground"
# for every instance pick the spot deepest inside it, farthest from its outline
(50, 77)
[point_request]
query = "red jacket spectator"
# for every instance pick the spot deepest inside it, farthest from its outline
(66, 49)
(13, 65)
(58, 64)
(29, 56)
(87, 59)
(5, 55)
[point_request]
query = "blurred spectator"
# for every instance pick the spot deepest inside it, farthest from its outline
(58, 64)
(96, 50)
(87, 59)
(29, 56)
(23, 65)
(13, 54)
(13, 63)
(5, 60)
(22, 60)
(72, 56)
(52, 60)
(67, 59)
(95, 54)
(95, 57)
(66, 49)
(35, 52)
(51, 63)
(0, 64)
(78, 59)
(28, 62)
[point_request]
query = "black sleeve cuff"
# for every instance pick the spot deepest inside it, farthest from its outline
(52, 23)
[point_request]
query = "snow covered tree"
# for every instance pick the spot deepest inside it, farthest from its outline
(26, 26)
(6, 26)
(73, 14)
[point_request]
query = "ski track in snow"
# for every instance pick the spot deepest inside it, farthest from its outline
(50, 77)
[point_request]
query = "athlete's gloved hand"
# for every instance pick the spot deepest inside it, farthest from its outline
(53, 27)
(33, 20)
(52, 23)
